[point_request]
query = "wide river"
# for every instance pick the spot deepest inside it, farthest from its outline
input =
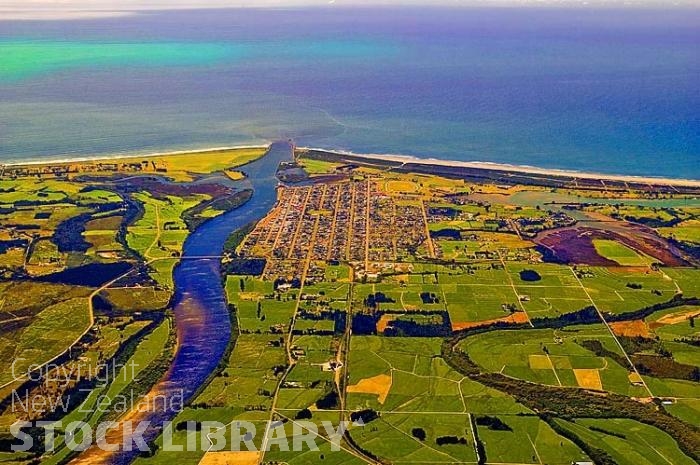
(201, 311)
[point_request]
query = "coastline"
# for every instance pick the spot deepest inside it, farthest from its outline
(401, 160)
(125, 156)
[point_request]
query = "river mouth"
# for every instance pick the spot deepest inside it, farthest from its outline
(201, 313)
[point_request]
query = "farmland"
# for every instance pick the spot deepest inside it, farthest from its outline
(447, 320)
(620, 253)
(87, 251)
(467, 273)
(629, 442)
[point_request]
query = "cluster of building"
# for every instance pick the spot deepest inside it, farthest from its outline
(351, 221)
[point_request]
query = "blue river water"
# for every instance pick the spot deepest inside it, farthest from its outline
(596, 89)
(200, 310)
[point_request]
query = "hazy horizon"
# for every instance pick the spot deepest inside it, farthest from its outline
(72, 9)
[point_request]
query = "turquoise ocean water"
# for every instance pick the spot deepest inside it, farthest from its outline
(615, 91)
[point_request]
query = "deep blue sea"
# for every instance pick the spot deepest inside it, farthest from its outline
(606, 90)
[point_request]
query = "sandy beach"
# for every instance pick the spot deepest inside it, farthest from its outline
(524, 169)
(127, 156)
(397, 158)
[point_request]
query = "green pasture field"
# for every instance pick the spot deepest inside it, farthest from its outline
(53, 323)
(307, 374)
(272, 313)
(406, 298)
(361, 291)
(420, 380)
(483, 291)
(95, 405)
(686, 231)
(335, 273)
(210, 212)
(551, 357)
(45, 258)
(391, 438)
(184, 167)
(257, 310)
(497, 241)
(103, 242)
(410, 297)
(36, 190)
(552, 275)
(557, 291)
(324, 455)
(637, 213)
(456, 250)
(400, 185)
(667, 387)
(640, 445)
(687, 410)
(96, 196)
(242, 391)
(317, 349)
(609, 288)
(331, 291)
(464, 251)
(688, 279)
(620, 253)
(295, 399)
(473, 303)
(308, 325)
(479, 273)
(147, 351)
(463, 225)
(246, 378)
(539, 196)
(676, 324)
(318, 166)
(27, 216)
(542, 302)
(111, 334)
(161, 231)
(671, 327)
(162, 271)
(249, 285)
(137, 299)
(181, 166)
(12, 259)
(470, 208)
(530, 441)
(423, 395)
(181, 437)
(523, 211)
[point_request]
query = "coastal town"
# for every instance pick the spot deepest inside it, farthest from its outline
(349, 232)
(354, 221)
(356, 289)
